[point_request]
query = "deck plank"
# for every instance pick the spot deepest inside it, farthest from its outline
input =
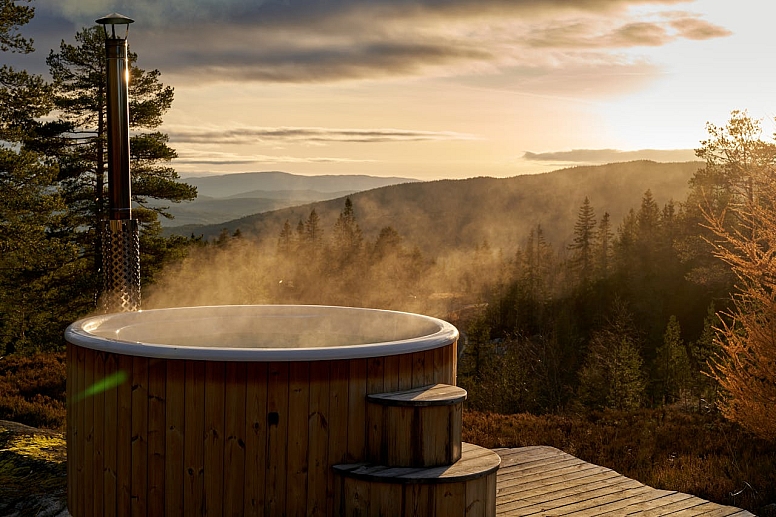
(544, 481)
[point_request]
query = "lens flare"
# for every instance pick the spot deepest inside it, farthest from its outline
(107, 383)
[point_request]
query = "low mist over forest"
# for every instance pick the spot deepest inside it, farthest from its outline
(438, 216)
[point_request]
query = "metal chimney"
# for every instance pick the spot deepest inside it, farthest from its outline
(120, 233)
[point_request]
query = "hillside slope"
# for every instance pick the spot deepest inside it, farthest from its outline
(449, 214)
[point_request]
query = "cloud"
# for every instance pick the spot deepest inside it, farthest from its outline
(192, 157)
(300, 41)
(316, 135)
(612, 155)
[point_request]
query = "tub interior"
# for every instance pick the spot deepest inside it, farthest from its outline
(261, 327)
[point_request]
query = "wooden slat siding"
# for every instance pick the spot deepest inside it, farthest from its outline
(298, 426)
(214, 438)
(375, 441)
(277, 436)
(418, 500)
(174, 471)
(374, 421)
(79, 433)
(405, 372)
(357, 410)
(194, 445)
(255, 438)
(476, 502)
(88, 461)
(389, 500)
(69, 425)
(139, 436)
(98, 497)
(450, 499)
(318, 438)
(433, 376)
(111, 424)
(540, 480)
(441, 362)
(338, 429)
(124, 439)
(234, 453)
(453, 358)
(418, 369)
(391, 373)
(490, 494)
(157, 374)
(357, 498)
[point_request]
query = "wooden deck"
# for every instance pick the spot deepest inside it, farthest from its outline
(544, 481)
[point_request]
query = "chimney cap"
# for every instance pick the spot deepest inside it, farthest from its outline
(115, 19)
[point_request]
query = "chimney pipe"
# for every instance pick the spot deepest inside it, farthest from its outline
(120, 234)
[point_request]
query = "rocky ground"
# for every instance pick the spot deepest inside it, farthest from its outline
(33, 479)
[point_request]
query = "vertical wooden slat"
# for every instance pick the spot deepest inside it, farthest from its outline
(255, 438)
(417, 501)
(476, 497)
(375, 429)
(375, 375)
(338, 423)
(450, 499)
(418, 369)
(98, 498)
(356, 494)
(454, 362)
(277, 438)
(194, 445)
(139, 436)
(214, 438)
(124, 438)
(405, 371)
(357, 410)
(174, 470)
(490, 494)
(375, 384)
(441, 374)
(298, 429)
(387, 500)
(429, 374)
(88, 464)
(234, 447)
(391, 373)
(111, 424)
(157, 423)
(318, 438)
(70, 437)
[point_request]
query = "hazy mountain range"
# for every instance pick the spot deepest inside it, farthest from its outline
(448, 214)
(231, 196)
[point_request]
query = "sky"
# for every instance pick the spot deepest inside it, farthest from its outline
(433, 89)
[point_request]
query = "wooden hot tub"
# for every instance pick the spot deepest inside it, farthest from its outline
(233, 410)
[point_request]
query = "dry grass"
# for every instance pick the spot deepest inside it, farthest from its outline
(669, 449)
(32, 390)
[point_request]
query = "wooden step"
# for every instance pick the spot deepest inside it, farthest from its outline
(465, 488)
(420, 427)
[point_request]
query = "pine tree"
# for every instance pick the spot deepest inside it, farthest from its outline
(604, 238)
(40, 288)
(77, 138)
(582, 246)
(347, 235)
(611, 375)
(672, 364)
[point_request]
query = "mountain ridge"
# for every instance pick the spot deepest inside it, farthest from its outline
(465, 213)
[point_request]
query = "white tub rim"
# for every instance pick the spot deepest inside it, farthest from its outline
(80, 333)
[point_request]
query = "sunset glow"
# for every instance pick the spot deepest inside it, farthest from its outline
(432, 89)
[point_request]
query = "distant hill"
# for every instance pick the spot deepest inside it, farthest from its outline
(450, 214)
(231, 196)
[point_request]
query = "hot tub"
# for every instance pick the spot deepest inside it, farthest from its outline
(233, 410)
